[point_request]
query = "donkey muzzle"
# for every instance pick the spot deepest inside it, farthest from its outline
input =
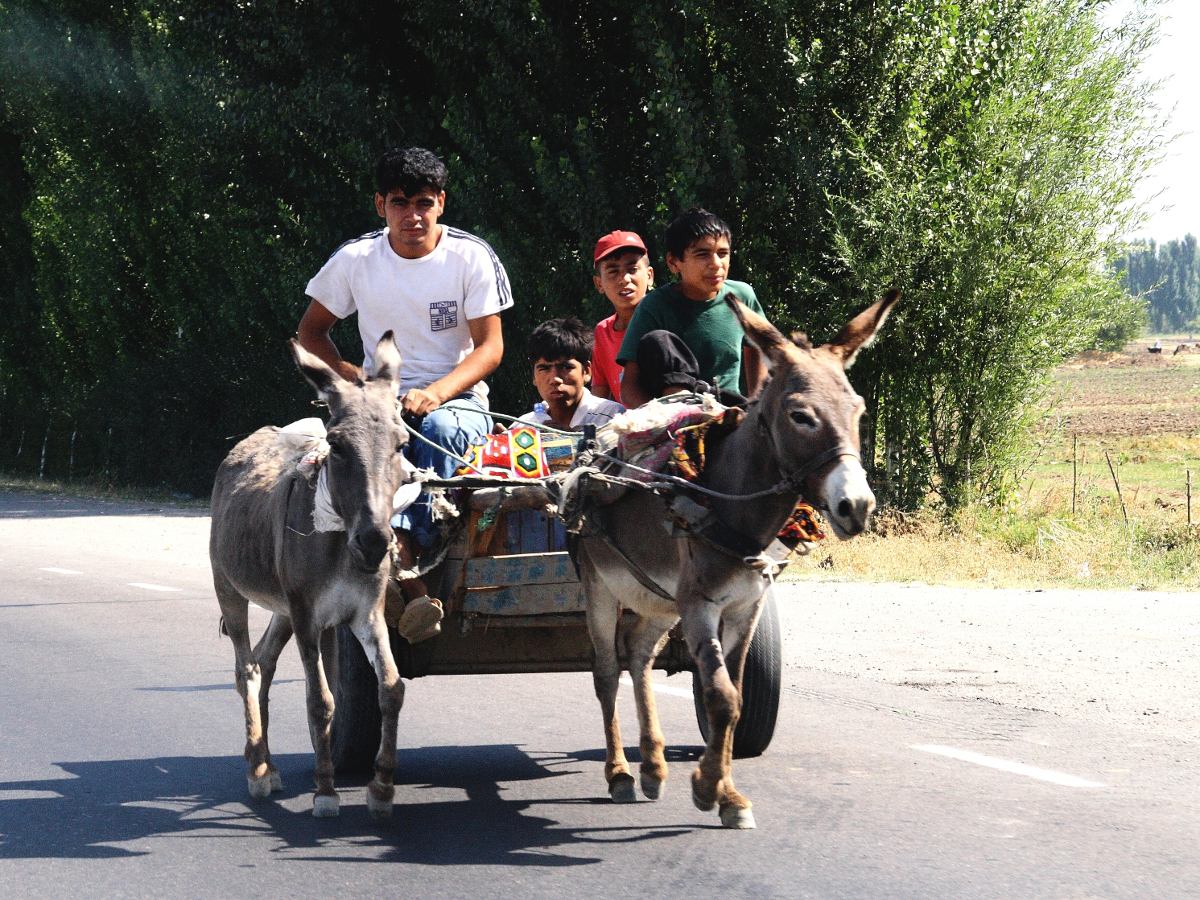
(368, 546)
(849, 501)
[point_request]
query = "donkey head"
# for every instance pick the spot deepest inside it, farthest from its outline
(810, 413)
(366, 437)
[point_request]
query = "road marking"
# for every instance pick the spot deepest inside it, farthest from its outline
(1007, 765)
(661, 688)
(153, 587)
(19, 794)
(57, 571)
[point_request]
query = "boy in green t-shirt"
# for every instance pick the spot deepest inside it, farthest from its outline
(684, 332)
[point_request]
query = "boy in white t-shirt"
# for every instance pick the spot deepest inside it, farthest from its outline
(440, 291)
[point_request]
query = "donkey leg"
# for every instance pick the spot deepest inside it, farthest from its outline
(737, 632)
(247, 678)
(721, 702)
(372, 634)
(266, 651)
(320, 718)
(644, 643)
(603, 612)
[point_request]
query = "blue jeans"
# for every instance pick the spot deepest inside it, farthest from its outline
(459, 424)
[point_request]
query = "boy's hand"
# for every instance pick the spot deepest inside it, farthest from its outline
(420, 401)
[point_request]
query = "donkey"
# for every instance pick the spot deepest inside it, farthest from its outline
(265, 550)
(798, 439)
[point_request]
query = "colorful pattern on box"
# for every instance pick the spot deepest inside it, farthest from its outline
(516, 453)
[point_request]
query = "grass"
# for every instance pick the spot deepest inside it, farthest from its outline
(1066, 526)
(96, 490)
(1013, 549)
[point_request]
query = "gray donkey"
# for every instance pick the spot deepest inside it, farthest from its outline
(264, 550)
(799, 439)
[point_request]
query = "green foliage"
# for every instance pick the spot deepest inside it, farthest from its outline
(990, 200)
(182, 169)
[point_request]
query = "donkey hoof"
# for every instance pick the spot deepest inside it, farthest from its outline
(733, 817)
(325, 806)
(259, 787)
(621, 789)
(276, 781)
(703, 795)
(379, 800)
(652, 787)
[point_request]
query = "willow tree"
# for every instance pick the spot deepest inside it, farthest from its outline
(184, 168)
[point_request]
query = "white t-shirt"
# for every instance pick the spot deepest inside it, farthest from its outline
(425, 302)
(592, 410)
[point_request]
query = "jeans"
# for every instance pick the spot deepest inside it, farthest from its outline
(457, 425)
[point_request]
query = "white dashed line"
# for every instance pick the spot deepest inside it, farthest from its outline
(154, 587)
(1007, 765)
(57, 571)
(661, 688)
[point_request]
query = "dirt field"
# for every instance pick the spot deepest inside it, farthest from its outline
(1134, 392)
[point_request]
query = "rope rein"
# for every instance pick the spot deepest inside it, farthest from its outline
(658, 481)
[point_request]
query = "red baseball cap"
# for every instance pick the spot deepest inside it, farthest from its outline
(617, 240)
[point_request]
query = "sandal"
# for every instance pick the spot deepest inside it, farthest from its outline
(421, 619)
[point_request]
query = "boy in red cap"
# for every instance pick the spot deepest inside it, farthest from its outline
(622, 274)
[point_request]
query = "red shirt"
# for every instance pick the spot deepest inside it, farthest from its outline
(605, 368)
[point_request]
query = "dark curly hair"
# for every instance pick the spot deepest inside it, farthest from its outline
(558, 339)
(409, 170)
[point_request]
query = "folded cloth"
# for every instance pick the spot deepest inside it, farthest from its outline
(308, 436)
(646, 435)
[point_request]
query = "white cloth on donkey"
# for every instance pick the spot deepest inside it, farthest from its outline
(308, 435)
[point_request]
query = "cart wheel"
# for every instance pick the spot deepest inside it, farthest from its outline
(762, 683)
(357, 723)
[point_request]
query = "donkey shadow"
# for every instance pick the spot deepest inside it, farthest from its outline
(108, 803)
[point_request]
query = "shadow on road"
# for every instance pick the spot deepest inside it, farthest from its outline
(109, 803)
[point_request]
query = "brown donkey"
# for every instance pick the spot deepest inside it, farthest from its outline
(265, 550)
(799, 439)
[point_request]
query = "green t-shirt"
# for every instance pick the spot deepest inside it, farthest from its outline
(708, 327)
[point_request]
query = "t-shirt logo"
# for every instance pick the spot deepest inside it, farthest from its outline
(443, 314)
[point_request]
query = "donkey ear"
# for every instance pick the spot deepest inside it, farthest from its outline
(861, 330)
(387, 359)
(765, 336)
(314, 370)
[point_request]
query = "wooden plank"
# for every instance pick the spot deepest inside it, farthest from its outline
(525, 600)
(520, 569)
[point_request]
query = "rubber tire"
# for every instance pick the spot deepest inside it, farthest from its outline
(762, 687)
(357, 722)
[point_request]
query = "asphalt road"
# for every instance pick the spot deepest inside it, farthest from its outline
(932, 743)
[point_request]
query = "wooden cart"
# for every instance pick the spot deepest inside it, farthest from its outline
(513, 604)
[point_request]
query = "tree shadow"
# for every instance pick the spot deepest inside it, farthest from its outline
(108, 803)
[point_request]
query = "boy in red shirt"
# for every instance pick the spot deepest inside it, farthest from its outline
(622, 274)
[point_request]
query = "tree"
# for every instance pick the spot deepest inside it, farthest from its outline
(1019, 141)
(187, 168)
(1167, 277)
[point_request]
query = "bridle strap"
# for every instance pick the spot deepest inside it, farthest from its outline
(797, 479)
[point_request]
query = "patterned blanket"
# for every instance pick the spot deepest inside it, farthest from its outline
(521, 452)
